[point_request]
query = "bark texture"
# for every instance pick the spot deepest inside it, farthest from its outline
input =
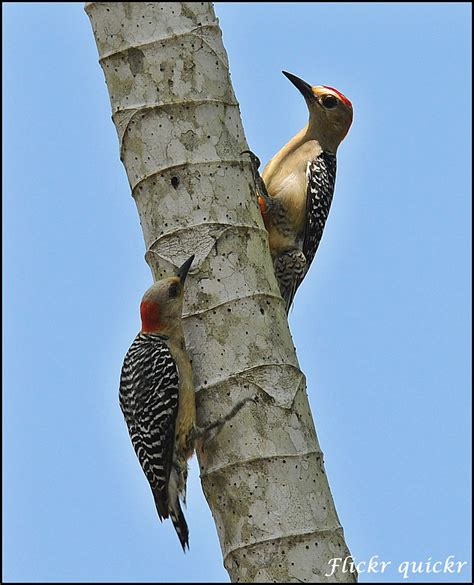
(180, 137)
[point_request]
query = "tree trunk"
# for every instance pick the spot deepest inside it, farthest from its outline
(181, 136)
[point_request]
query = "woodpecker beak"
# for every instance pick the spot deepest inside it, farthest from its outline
(184, 269)
(304, 87)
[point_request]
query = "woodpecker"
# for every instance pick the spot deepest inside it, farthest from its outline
(296, 192)
(157, 399)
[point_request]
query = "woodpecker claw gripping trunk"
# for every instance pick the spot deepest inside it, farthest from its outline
(180, 138)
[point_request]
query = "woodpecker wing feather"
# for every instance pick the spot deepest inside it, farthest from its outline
(321, 175)
(149, 389)
(291, 266)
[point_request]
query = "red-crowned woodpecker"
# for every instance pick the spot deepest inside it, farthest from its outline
(158, 401)
(298, 184)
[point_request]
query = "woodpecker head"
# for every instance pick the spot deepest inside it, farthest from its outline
(330, 112)
(162, 303)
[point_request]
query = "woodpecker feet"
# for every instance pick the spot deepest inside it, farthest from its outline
(264, 199)
(254, 159)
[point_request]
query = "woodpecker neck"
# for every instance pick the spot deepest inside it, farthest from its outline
(151, 317)
(318, 129)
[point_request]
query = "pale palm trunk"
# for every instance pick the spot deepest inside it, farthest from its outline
(180, 137)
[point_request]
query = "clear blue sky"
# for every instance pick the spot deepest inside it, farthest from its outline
(382, 323)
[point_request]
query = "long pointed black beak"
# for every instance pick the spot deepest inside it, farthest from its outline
(304, 87)
(184, 269)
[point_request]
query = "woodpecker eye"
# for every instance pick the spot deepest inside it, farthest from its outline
(173, 290)
(329, 102)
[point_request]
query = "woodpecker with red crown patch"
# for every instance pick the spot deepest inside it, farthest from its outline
(296, 188)
(157, 397)
(158, 402)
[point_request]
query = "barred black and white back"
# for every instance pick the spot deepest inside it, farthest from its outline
(149, 389)
(321, 174)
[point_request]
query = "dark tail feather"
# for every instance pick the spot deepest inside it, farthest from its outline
(290, 296)
(179, 523)
(177, 516)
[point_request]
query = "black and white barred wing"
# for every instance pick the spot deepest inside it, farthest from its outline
(321, 174)
(149, 388)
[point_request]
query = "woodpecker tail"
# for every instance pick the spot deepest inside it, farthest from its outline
(179, 523)
(176, 490)
(168, 506)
